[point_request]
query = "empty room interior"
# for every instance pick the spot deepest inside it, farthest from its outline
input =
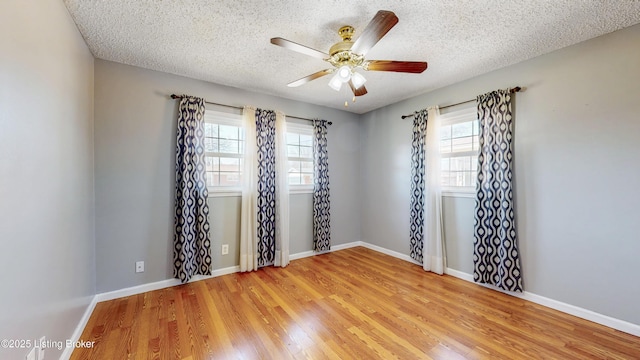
(320, 180)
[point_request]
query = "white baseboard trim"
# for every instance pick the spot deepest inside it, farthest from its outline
(395, 254)
(162, 284)
(66, 354)
(309, 253)
(345, 246)
(582, 313)
(302, 255)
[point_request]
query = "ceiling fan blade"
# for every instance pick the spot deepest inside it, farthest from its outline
(308, 78)
(375, 30)
(359, 91)
(415, 67)
(299, 48)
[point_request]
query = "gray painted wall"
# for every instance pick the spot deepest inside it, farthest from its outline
(46, 174)
(576, 173)
(135, 158)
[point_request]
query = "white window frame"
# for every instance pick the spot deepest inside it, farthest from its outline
(451, 118)
(224, 118)
(304, 129)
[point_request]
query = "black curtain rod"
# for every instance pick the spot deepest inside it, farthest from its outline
(512, 90)
(174, 96)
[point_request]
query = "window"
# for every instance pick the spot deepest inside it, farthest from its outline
(459, 148)
(224, 152)
(224, 147)
(300, 154)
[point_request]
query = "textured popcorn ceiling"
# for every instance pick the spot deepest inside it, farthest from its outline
(227, 41)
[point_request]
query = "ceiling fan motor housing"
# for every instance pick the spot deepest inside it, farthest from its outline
(340, 53)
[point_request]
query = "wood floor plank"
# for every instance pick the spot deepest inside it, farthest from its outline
(349, 304)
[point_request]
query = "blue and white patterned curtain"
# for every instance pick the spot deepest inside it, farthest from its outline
(266, 201)
(192, 245)
(495, 257)
(321, 203)
(416, 230)
(264, 222)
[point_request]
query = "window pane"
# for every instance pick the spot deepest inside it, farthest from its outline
(306, 140)
(476, 129)
(293, 139)
(230, 146)
(461, 129)
(467, 179)
(294, 178)
(229, 179)
(210, 130)
(229, 164)
(474, 163)
(229, 132)
(444, 164)
(445, 146)
(307, 179)
(294, 166)
(456, 179)
(307, 166)
(476, 145)
(305, 152)
(460, 163)
(293, 151)
(446, 178)
(210, 145)
(208, 162)
(445, 132)
(461, 144)
(212, 179)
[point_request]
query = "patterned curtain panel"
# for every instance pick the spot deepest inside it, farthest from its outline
(416, 231)
(321, 204)
(192, 245)
(266, 201)
(496, 259)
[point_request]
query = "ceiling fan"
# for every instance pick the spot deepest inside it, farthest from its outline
(346, 56)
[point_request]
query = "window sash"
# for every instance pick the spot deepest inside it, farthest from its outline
(467, 175)
(297, 177)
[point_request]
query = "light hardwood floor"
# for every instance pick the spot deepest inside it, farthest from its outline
(349, 304)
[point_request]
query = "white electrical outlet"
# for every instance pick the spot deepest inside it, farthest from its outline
(139, 266)
(41, 348)
(225, 249)
(31, 355)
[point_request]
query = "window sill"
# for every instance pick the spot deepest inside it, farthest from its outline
(215, 193)
(300, 190)
(470, 194)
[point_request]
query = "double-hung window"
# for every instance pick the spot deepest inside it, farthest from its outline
(224, 148)
(300, 156)
(224, 152)
(459, 149)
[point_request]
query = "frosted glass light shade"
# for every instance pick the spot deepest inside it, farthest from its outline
(344, 73)
(358, 80)
(336, 82)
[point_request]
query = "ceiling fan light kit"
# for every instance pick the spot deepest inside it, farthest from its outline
(346, 56)
(358, 80)
(335, 83)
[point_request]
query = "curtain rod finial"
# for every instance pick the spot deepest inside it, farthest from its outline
(516, 89)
